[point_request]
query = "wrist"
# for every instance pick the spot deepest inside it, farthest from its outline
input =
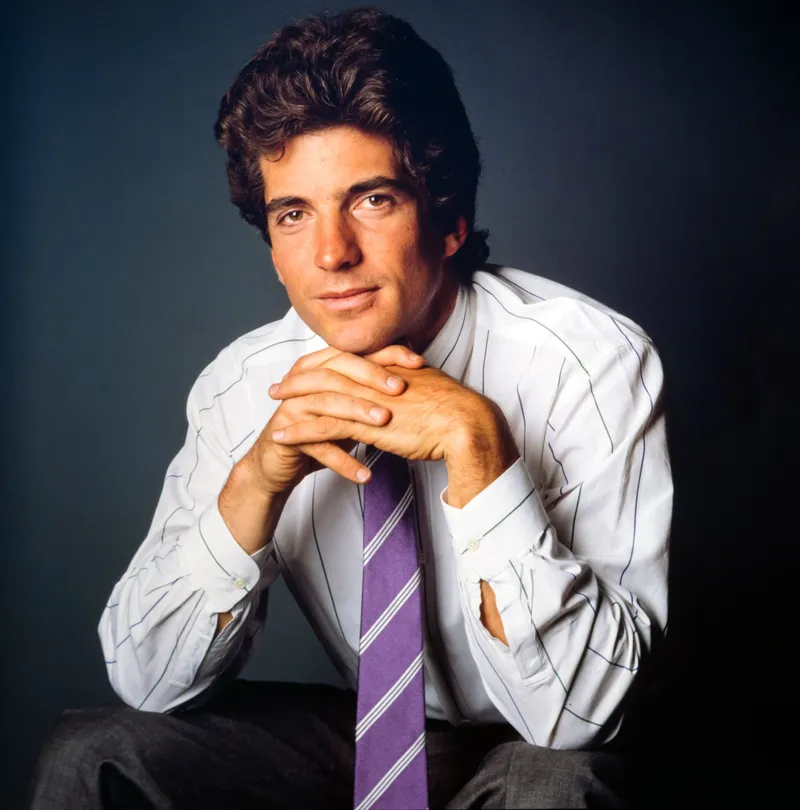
(247, 476)
(478, 454)
(249, 511)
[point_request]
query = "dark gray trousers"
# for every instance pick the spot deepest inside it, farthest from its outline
(280, 745)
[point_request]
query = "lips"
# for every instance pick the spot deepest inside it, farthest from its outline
(348, 299)
(347, 293)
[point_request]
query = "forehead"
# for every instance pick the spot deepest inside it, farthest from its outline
(326, 162)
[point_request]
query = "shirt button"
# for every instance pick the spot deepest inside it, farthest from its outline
(473, 544)
(240, 583)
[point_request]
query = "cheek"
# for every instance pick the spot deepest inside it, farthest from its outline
(288, 265)
(404, 252)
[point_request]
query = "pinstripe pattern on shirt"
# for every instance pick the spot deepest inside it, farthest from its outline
(573, 538)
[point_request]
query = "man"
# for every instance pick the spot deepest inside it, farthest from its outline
(460, 470)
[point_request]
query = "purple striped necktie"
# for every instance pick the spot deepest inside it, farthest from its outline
(391, 765)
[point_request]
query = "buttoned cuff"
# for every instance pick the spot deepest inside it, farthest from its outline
(218, 563)
(502, 522)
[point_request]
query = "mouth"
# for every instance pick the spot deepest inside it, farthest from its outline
(347, 299)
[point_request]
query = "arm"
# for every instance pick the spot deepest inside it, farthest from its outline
(575, 590)
(187, 609)
(159, 626)
(250, 515)
(561, 603)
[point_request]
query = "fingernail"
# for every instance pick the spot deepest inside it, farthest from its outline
(362, 475)
(277, 434)
(394, 382)
(273, 389)
(376, 413)
(413, 357)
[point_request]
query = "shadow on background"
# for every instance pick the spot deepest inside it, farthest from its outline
(646, 156)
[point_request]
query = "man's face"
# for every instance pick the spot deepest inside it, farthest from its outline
(353, 245)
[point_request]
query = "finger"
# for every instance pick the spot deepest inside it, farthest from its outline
(395, 355)
(335, 458)
(364, 372)
(390, 355)
(313, 359)
(365, 383)
(321, 429)
(319, 400)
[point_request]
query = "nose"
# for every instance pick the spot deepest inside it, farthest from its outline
(337, 247)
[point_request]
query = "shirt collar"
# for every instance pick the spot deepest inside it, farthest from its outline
(450, 349)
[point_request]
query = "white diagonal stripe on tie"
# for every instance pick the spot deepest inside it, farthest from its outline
(392, 774)
(390, 611)
(392, 520)
(378, 710)
(371, 457)
(386, 529)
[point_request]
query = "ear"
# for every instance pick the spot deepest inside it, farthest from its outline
(277, 269)
(454, 240)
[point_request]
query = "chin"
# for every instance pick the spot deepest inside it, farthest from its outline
(361, 347)
(358, 342)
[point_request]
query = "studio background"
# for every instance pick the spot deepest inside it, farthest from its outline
(645, 155)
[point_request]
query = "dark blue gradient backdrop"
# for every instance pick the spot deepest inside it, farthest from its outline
(646, 157)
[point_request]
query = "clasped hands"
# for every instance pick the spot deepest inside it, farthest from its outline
(330, 400)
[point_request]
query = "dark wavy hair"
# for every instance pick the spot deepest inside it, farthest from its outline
(370, 70)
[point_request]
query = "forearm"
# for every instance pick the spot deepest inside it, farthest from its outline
(563, 671)
(570, 572)
(557, 644)
(160, 667)
(569, 644)
(250, 515)
(160, 631)
(483, 454)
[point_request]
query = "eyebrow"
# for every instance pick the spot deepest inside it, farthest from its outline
(371, 184)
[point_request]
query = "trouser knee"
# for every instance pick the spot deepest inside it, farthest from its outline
(69, 772)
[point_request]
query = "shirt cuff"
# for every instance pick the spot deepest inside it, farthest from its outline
(503, 522)
(218, 563)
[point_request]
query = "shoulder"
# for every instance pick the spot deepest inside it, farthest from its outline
(535, 311)
(276, 343)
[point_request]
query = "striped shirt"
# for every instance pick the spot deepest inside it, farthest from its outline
(573, 537)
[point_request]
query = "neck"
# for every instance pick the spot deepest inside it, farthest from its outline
(438, 311)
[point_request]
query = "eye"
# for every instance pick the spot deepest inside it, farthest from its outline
(378, 201)
(291, 217)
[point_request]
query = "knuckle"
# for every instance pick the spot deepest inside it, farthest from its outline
(329, 376)
(279, 418)
(315, 402)
(337, 359)
(327, 423)
(331, 456)
(287, 412)
(326, 401)
(322, 450)
(362, 407)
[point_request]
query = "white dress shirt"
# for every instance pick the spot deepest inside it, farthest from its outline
(573, 537)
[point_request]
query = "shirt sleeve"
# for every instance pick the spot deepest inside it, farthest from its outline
(157, 630)
(578, 564)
